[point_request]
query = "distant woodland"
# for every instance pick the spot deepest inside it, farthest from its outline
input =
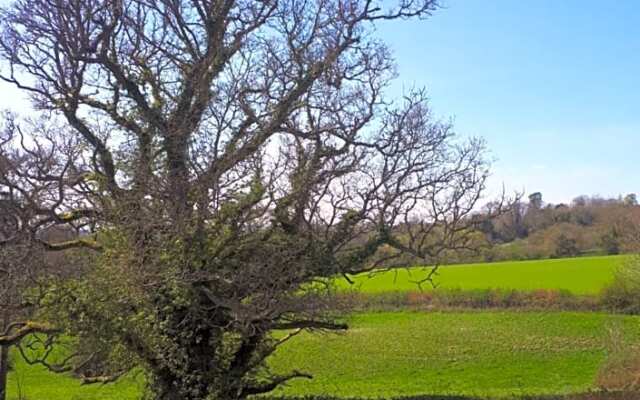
(533, 229)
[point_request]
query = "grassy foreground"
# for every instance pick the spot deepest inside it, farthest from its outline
(584, 275)
(411, 353)
(35, 383)
(481, 354)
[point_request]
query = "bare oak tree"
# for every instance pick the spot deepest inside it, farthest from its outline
(224, 160)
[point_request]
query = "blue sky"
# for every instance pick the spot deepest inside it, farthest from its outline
(553, 86)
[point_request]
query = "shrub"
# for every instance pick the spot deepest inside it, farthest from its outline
(610, 242)
(621, 368)
(623, 294)
(566, 247)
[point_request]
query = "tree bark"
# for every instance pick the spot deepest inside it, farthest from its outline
(194, 381)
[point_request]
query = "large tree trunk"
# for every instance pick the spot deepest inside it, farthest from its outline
(196, 343)
(167, 385)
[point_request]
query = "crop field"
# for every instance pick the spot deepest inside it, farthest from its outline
(586, 275)
(484, 353)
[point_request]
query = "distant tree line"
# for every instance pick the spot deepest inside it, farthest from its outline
(533, 229)
(530, 229)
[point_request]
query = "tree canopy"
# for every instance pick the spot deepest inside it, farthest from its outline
(221, 161)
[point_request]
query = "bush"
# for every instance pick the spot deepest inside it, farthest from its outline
(610, 242)
(566, 247)
(621, 368)
(623, 294)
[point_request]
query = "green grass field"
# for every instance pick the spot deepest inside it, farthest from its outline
(586, 275)
(483, 353)
(489, 353)
(408, 353)
(35, 383)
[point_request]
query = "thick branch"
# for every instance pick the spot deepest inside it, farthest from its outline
(19, 330)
